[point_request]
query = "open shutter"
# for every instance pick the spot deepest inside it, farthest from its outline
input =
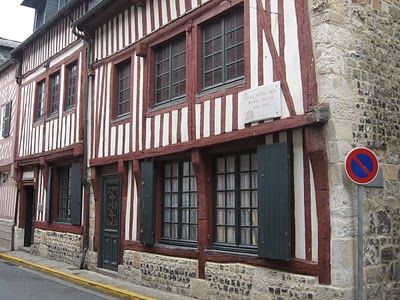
(274, 194)
(147, 203)
(76, 194)
(48, 195)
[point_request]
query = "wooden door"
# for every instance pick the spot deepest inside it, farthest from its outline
(110, 223)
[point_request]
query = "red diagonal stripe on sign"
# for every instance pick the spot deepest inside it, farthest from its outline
(361, 165)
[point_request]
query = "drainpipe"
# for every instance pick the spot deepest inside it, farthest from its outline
(86, 205)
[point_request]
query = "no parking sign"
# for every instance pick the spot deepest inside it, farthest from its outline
(361, 165)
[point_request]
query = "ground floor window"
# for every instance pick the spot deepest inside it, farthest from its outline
(236, 203)
(179, 202)
(65, 192)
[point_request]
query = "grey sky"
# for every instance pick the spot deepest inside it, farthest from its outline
(16, 21)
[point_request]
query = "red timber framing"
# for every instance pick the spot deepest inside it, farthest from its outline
(199, 146)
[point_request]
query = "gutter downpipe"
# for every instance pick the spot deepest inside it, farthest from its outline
(85, 249)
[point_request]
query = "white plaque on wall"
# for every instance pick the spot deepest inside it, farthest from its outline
(261, 103)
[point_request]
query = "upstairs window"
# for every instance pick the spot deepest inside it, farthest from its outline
(41, 99)
(72, 85)
(223, 52)
(6, 120)
(54, 93)
(170, 70)
(124, 88)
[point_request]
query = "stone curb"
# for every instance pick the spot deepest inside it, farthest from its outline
(125, 294)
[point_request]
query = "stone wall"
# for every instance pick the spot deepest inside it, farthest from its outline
(223, 281)
(160, 272)
(64, 247)
(357, 50)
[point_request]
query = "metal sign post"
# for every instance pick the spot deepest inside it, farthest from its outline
(362, 168)
(360, 239)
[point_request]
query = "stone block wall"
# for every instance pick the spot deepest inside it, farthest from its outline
(157, 271)
(357, 50)
(223, 281)
(59, 246)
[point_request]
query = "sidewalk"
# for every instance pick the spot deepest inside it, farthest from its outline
(105, 284)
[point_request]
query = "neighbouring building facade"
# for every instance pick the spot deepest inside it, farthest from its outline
(8, 113)
(197, 146)
(50, 139)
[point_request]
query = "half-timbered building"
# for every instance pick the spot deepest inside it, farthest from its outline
(8, 187)
(207, 160)
(50, 140)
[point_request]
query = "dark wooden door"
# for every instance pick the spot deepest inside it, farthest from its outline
(110, 223)
(28, 216)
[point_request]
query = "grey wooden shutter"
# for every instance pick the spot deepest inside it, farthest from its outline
(274, 196)
(76, 194)
(147, 203)
(48, 195)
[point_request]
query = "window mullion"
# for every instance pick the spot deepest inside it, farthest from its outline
(223, 50)
(237, 199)
(179, 200)
(170, 75)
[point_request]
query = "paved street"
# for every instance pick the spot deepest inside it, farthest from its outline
(18, 283)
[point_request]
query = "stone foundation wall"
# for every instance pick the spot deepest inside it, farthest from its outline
(64, 247)
(223, 281)
(160, 272)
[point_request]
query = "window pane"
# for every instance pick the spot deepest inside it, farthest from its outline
(230, 217)
(185, 199)
(193, 200)
(221, 165)
(185, 232)
(245, 236)
(220, 199)
(220, 217)
(221, 234)
(230, 199)
(230, 181)
(245, 217)
(221, 182)
(230, 235)
(245, 180)
(186, 184)
(245, 199)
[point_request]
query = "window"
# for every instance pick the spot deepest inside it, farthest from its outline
(170, 70)
(72, 85)
(124, 88)
(222, 56)
(6, 119)
(237, 201)
(65, 192)
(64, 202)
(4, 177)
(41, 98)
(54, 93)
(179, 202)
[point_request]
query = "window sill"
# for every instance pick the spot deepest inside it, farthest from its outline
(53, 116)
(250, 251)
(38, 122)
(69, 110)
(121, 119)
(59, 227)
(166, 107)
(221, 90)
(177, 243)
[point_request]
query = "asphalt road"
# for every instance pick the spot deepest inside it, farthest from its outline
(18, 283)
